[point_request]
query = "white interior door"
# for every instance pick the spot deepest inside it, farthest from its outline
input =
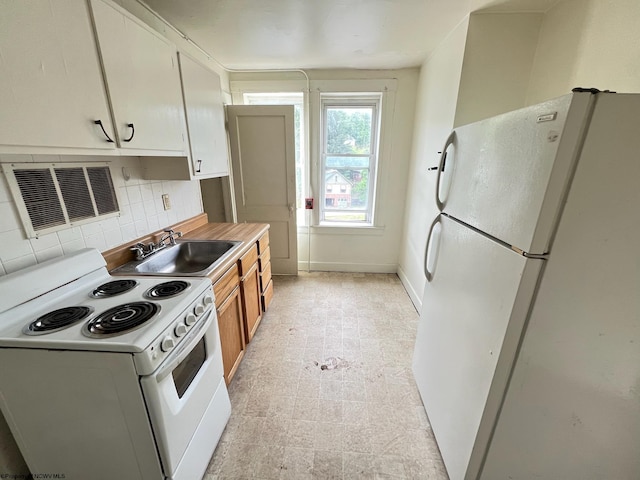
(473, 310)
(262, 147)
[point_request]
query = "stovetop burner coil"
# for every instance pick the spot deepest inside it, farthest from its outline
(167, 289)
(113, 288)
(120, 319)
(57, 320)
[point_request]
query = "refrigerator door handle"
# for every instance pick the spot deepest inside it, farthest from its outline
(443, 157)
(427, 273)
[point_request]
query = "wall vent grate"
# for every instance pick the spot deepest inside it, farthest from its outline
(52, 197)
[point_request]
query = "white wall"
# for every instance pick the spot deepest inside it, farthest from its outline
(435, 112)
(587, 43)
(141, 213)
(498, 57)
(377, 249)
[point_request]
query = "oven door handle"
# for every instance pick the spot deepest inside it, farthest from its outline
(190, 341)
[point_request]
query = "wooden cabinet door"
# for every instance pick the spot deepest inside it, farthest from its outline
(251, 303)
(51, 87)
(231, 329)
(205, 119)
(143, 82)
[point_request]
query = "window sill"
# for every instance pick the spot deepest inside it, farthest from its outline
(342, 229)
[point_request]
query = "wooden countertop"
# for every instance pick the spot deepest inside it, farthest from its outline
(197, 228)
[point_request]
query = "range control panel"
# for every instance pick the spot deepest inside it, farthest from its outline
(191, 318)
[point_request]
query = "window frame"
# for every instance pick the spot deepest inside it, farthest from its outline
(328, 100)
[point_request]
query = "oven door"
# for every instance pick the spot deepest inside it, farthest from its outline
(180, 390)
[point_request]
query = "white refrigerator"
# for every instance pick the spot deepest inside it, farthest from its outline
(527, 355)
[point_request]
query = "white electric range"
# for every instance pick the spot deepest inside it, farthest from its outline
(110, 377)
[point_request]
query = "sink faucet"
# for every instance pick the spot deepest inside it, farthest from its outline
(169, 235)
(141, 250)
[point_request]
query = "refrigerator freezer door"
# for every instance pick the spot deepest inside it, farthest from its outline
(508, 174)
(473, 311)
(573, 405)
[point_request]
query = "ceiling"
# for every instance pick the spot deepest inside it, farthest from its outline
(275, 34)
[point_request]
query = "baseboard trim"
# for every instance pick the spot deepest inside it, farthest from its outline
(348, 267)
(415, 298)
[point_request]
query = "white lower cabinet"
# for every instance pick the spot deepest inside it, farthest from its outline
(51, 86)
(143, 81)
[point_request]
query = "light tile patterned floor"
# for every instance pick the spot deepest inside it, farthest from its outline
(325, 390)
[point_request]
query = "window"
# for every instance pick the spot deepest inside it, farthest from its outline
(51, 197)
(349, 157)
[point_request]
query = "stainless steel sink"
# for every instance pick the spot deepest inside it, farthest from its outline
(188, 258)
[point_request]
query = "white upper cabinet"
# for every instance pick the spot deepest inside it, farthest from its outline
(143, 82)
(205, 119)
(51, 86)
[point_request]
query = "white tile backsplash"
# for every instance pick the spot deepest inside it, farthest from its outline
(147, 193)
(134, 194)
(44, 242)
(113, 238)
(69, 235)
(9, 219)
(123, 197)
(14, 245)
(72, 246)
(90, 229)
(96, 241)
(138, 212)
(141, 213)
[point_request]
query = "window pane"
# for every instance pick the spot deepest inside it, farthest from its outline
(343, 162)
(348, 130)
(346, 188)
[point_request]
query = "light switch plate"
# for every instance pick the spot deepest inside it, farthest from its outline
(166, 202)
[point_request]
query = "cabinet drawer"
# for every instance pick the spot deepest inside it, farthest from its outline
(264, 259)
(267, 296)
(247, 260)
(263, 243)
(223, 287)
(265, 277)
